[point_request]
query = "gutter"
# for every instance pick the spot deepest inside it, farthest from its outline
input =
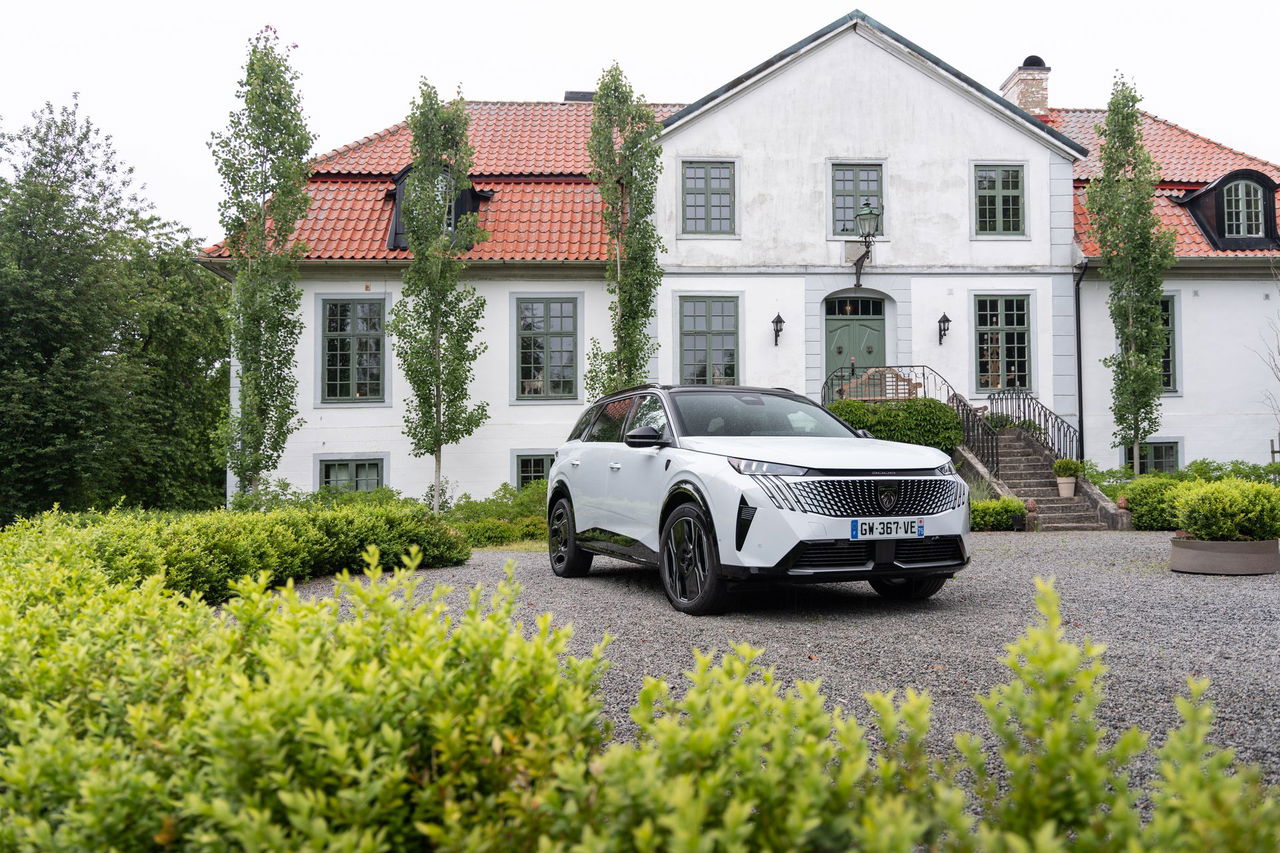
(1083, 266)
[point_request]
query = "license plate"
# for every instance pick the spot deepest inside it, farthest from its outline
(886, 528)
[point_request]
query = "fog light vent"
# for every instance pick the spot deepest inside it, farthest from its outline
(746, 513)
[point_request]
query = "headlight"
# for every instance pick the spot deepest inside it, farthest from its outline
(750, 466)
(947, 470)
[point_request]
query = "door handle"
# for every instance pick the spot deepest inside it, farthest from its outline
(615, 466)
(575, 462)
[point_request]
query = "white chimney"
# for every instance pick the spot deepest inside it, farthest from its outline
(1028, 86)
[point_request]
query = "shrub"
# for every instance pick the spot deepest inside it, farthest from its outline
(1151, 501)
(506, 503)
(489, 531)
(925, 421)
(1068, 468)
(996, 514)
(1228, 510)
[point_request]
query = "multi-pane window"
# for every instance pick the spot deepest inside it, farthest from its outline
(855, 307)
(353, 475)
(533, 467)
(547, 353)
(708, 198)
(1003, 334)
(353, 350)
(1000, 199)
(1168, 363)
(1158, 457)
(1242, 209)
(708, 341)
(853, 188)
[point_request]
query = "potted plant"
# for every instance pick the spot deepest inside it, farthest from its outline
(1066, 470)
(1231, 527)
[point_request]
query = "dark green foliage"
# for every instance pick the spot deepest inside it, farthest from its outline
(489, 531)
(112, 349)
(505, 503)
(920, 421)
(205, 553)
(996, 514)
(1228, 510)
(1068, 468)
(1151, 502)
(262, 158)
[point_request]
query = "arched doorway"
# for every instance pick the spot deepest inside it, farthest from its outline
(854, 332)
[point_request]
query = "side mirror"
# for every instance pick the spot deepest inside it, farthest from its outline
(863, 433)
(645, 436)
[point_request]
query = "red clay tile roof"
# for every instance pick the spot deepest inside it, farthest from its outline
(1187, 161)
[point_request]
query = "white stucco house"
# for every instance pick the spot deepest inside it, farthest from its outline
(981, 225)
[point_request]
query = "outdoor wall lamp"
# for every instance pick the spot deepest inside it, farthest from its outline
(778, 323)
(867, 221)
(944, 326)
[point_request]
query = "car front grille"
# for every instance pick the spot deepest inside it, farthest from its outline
(943, 549)
(863, 498)
(857, 555)
(833, 555)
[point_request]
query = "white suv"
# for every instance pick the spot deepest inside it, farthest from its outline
(714, 485)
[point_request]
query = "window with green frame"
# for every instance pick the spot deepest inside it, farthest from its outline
(352, 475)
(547, 349)
(708, 340)
(1003, 333)
(852, 188)
(999, 192)
(532, 467)
(707, 198)
(1168, 362)
(1158, 457)
(354, 343)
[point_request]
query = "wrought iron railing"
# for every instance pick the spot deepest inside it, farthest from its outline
(909, 381)
(1017, 408)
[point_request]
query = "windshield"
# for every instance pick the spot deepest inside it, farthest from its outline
(746, 413)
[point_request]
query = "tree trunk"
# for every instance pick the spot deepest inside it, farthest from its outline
(1137, 458)
(435, 490)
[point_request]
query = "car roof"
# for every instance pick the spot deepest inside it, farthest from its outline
(701, 389)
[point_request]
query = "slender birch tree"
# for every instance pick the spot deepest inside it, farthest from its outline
(625, 167)
(1134, 251)
(262, 157)
(435, 323)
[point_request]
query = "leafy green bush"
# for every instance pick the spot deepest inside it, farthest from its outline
(995, 515)
(203, 553)
(489, 531)
(1228, 510)
(1068, 468)
(280, 495)
(1151, 501)
(925, 421)
(506, 503)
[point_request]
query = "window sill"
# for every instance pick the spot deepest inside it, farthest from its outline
(851, 238)
(708, 236)
(352, 404)
(550, 401)
(1000, 238)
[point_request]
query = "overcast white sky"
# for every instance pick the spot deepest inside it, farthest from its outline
(160, 76)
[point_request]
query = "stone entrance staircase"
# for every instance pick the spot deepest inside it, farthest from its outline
(1029, 474)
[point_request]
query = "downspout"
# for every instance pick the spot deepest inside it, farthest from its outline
(1083, 266)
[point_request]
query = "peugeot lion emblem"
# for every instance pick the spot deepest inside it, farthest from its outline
(888, 494)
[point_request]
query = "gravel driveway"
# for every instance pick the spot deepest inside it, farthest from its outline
(1158, 627)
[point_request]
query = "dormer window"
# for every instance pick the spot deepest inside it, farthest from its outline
(467, 201)
(1242, 209)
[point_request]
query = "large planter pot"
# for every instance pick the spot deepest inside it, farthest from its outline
(1225, 558)
(1066, 487)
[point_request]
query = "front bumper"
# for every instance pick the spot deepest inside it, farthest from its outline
(836, 560)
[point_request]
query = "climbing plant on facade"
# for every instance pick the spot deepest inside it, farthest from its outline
(435, 323)
(624, 153)
(262, 157)
(1134, 251)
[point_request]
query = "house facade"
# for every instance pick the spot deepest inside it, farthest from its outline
(761, 181)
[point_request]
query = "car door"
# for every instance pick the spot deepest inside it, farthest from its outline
(638, 476)
(596, 452)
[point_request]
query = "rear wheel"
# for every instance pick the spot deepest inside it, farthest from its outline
(567, 559)
(907, 589)
(689, 562)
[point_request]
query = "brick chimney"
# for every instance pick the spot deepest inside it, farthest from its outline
(1028, 86)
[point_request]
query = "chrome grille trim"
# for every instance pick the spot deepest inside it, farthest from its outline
(859, 497)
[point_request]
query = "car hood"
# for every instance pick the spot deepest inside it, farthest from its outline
(828, 453)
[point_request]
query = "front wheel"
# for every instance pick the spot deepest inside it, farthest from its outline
(567, 559)
(688, 561)
(907, 589)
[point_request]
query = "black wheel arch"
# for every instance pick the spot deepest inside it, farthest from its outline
(683, 492)
(559, 490)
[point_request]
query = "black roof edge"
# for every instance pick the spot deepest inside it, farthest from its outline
(1262, 178)
(657, 386)
(857, 16)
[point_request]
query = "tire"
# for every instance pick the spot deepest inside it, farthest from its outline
(567, 559)
(907, 589)
(688, 562)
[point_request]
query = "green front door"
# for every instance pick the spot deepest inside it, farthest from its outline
(855, 331)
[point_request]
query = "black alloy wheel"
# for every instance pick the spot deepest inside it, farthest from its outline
(567, 559)
(907, 589)
(689, 562)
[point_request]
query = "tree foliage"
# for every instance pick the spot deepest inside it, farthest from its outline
(624, 153)
(435, 322)
(112, 370)
(262, 158)
(1135, 252)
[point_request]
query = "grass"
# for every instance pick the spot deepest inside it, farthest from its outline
(524, 546)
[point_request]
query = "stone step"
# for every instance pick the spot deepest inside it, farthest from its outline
(1030, 482)
(1024, 465)
(1069, 517)
(1053, 527)
(1036, 492)
(1053, 501)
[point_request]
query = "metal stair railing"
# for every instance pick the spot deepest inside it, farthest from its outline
(1023, 410)
(908, 382)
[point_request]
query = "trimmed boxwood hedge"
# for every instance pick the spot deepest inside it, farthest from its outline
(919, 421)
(995, 514)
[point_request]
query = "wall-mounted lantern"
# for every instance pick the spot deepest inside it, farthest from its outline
(778, 323)
(867, 221)
(944, 325)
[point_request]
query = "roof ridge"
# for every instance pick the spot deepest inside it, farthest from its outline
(359, 143)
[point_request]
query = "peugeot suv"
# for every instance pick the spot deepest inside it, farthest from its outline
(720, 485)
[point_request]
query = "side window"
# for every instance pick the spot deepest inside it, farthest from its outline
(1000, 200)
(352, 475)
(531, 468)
(581, 426)
(608, 425)
(353, 350)
(649, 412)
(708, 196)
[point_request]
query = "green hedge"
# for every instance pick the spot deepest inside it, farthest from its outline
(996, 514)
(1151, 502)
(203, 553)
(140, 720)
(919, 421)
(1229, 510)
